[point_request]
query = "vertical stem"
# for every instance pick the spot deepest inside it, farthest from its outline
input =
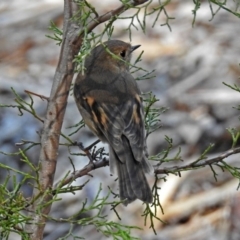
(52, 127)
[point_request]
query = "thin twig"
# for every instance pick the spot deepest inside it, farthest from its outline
(83, 172)
(86, 151)
(197, 164)
(38, 95)
(113, 13)
(105, 162)
(92, 145)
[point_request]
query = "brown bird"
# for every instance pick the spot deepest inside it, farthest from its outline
(108, 99)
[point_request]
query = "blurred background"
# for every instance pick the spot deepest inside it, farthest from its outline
(191, 64)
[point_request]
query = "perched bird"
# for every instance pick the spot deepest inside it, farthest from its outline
(108, 99)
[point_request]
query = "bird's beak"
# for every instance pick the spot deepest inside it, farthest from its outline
(135, 47)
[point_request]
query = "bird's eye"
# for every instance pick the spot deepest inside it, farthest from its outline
(123, 53)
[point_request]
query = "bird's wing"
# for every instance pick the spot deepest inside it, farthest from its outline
(134, 129)
(116, 110)
(126, 119)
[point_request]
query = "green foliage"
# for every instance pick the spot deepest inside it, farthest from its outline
(22, 105)
(233, 170)
(93, 214)
(13, 204)
(197, 4)
(222, 4)
(57, 33)
(214, 3)
(235, 135)
(151, 210)
(76, 127)
(152, 113)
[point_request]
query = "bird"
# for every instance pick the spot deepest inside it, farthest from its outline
(110, 103)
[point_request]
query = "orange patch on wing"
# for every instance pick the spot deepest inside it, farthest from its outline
(104, 118)
(135, 114)
(94, 117)
(90, 101)
(138, 98)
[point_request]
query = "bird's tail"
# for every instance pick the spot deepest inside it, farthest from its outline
(131, 176)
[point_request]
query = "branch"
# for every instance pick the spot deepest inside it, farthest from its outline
(52, 128)
(83, 172)
(113, 13)
(36, 94)
(197, 164)
(105, 162)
